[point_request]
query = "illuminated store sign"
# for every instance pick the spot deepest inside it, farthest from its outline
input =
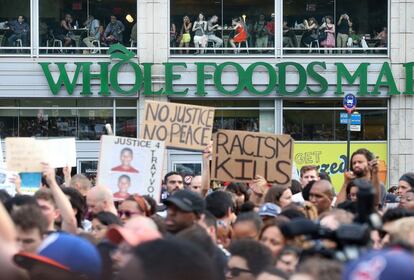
(310, 79)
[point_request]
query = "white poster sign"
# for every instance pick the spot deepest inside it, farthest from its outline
(131, 166)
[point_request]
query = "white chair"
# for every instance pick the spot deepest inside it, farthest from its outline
(213, 45)
(246, 45)
(19, 43)
(133, 43)
(314, 44)
(98, 45)
(56, 43)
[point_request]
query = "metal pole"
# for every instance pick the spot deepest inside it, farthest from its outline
(348, 142)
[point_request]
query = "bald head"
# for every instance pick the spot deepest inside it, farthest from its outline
(321, 195)
(100, 199)
(195, 185)
(81, 183)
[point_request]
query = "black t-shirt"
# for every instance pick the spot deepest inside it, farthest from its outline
(343, 27)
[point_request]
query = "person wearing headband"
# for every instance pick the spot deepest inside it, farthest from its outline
(405, 183)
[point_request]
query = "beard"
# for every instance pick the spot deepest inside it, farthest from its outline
(359, 173)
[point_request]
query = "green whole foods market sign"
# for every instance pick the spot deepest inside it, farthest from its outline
(121, 57)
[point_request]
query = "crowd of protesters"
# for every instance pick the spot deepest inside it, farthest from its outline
(213, 230)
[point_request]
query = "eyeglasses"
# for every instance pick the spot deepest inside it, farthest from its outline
(235, 271)
(127, 213)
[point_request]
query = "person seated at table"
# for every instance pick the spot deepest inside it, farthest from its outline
(21, 31)
(200, 37)
(262, 36)
(240, 32)
(383, 37)
(133, 38)
(329, 28)
(114, 31)
(289, 36)
(270, 27)
(92, 24)
(212, 26)
(65, 33)
(311, 33)
(185, 36)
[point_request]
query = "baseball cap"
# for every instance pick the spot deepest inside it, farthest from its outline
(66, 252)
(386, 264)
(269, 209)
(187, 201)
(135, 231)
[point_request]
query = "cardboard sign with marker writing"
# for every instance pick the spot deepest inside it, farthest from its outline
(239, 156)
(187, 127)
(25, 154)
(131, 166)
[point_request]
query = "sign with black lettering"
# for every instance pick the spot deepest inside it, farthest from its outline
(186, 127)
(239, 156)
(131, 166)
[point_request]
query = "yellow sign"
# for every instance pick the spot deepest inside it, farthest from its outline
(331, 157)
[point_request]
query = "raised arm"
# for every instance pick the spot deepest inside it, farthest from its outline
(205, 176)
(373, 165)
(341, 196)
(69, 223)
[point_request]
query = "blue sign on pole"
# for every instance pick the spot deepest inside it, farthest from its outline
(343, 118)
(350, 101)
(356, 119)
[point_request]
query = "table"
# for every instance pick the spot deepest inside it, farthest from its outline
(78, 33)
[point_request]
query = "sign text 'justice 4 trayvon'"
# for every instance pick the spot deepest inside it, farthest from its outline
(239, 156)
(312, 78)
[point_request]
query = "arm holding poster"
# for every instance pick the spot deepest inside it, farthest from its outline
(7, 229)
(205, 176)
(259, 189)
(69, 223)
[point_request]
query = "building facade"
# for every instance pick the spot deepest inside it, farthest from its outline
(57, 79)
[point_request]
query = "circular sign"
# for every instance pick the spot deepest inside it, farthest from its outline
(350, 101)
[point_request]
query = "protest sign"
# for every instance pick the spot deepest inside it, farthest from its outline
(25, 154)
(238, 156)
(181, 126)
(131, 166)
(5, 184)
(2, 165)
(61, 152)
(30, 182)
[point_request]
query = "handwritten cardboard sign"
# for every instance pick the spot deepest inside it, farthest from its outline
(181, 126)
(24, 154)
(238, 156)
(131, 166)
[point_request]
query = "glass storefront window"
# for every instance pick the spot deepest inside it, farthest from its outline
(324, 125)
(9, 123)
(47, 123)
(126, 123)
(86, 26)
(222, 27)
(92, 123)
(15, 27)
(335, 27)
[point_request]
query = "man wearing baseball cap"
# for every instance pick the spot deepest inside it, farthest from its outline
(184, 208)
(136, 231)
(62, 256)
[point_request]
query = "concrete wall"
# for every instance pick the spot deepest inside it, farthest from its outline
(402, 107)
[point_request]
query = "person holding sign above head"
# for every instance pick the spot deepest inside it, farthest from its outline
(126, 159)
(124, 183)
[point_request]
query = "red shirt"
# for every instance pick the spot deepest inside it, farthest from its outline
(120, 168)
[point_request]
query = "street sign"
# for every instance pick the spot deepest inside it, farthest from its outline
(355, 127)
(349, 102)
(355, 118)
(343, 118)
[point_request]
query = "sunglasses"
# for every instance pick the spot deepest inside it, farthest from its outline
(236, 271)
(127, 213)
